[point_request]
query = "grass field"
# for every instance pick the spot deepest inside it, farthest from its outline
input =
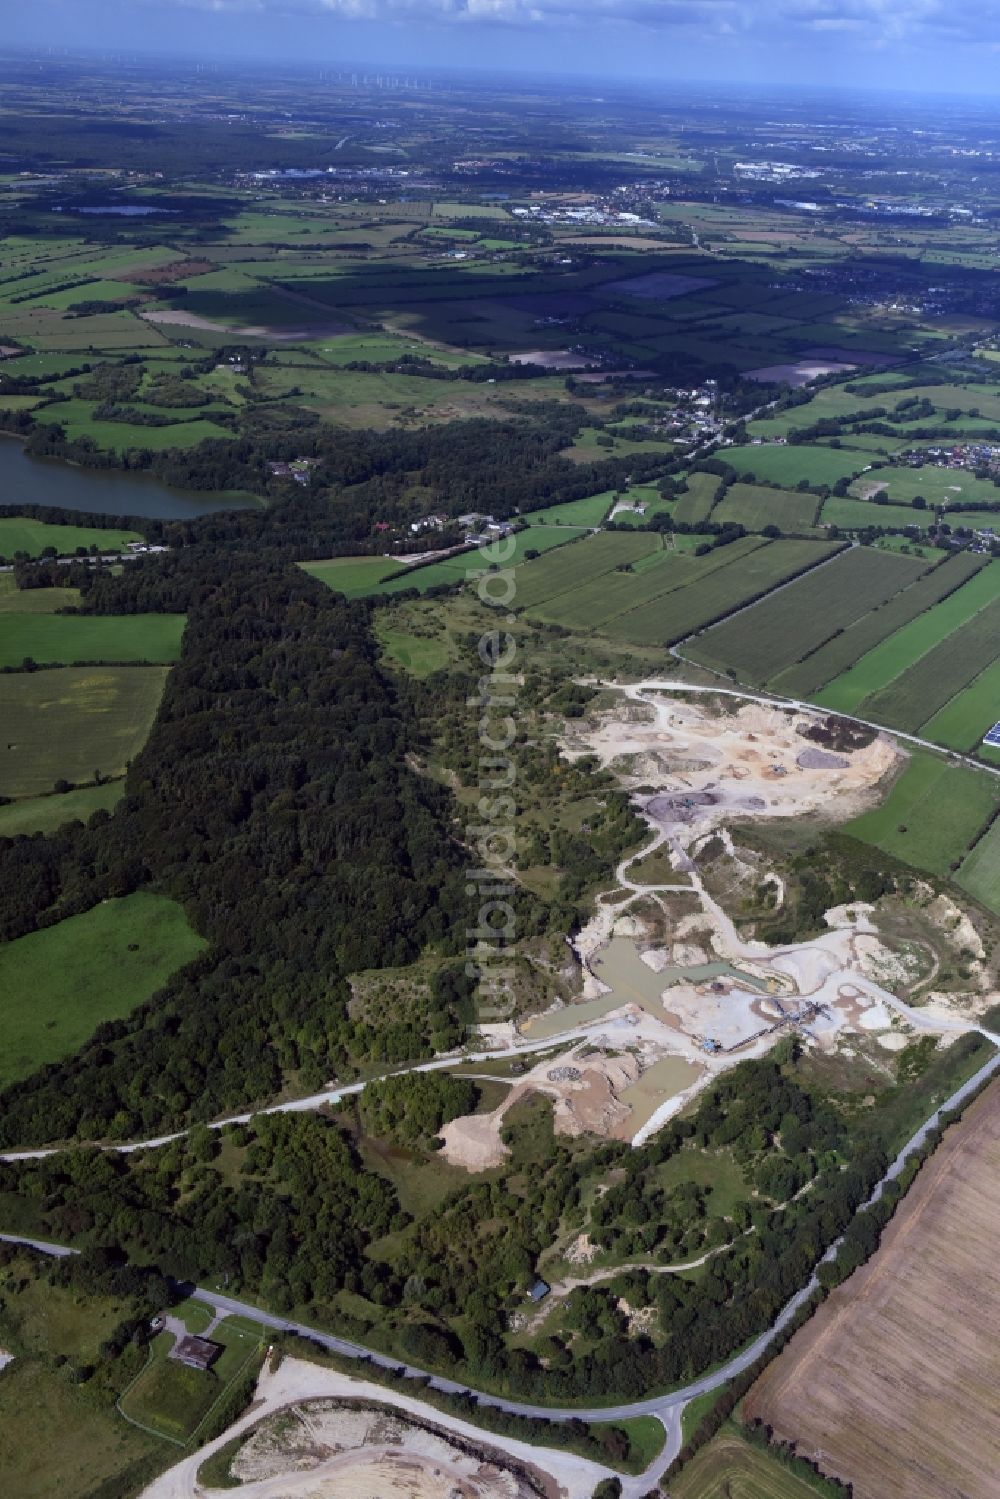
(963, 721)
(695, 506)
(877, 668)
(43, 814)
(731, 1468)
(588, 512)
(756, 506)
(838, 655)
(916, 694)
(939, 486)
(21, 534)
(782, 629)
(980, 871)
(892, 1384)
(60, 983)
(172, 1399)
(854, 515)
(772, 464)
(69, 638)
(932, 815)
(65, 723)
(353, 576)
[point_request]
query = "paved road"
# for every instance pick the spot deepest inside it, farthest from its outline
(666, 1408)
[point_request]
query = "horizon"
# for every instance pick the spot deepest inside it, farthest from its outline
(868, 46)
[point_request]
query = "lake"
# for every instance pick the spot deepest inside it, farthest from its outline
(44, 481)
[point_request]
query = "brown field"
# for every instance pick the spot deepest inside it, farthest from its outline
(893, 1384)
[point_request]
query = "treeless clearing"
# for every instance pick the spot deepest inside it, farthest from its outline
(892, 1385)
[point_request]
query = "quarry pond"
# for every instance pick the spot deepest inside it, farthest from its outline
(37, 481)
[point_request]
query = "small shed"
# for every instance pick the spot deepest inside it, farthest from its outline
(196, 1353)
(538, 1291)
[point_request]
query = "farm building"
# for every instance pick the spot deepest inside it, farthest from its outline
(196, 1353)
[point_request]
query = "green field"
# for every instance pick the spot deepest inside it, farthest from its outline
(172, 1399)
(772, 464)
(756, 506)
(43, 814)
(21, 534)
(745, 575)
(839, 654)
(933, 814)
(963, 721)
(353, 576)
(855, 515)
(569, 568)
(60, 983)
(980, 871)
(69, 638)
(780, 630)
(939, 486)
(588, 512)
(919, 692)
(68, 722)
(906, 645)
(695, 505)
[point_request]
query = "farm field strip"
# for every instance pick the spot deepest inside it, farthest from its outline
(696, 606)
(757, 505)
(695, 506)
(840, 653)
(782, 629)
(608, 596)
(545, 577)
(916, 694)
(878, 667)
(979, 874)
(963, 721)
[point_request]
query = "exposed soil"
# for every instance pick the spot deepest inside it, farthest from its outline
(892, 1384)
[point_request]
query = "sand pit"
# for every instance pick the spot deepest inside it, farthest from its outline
(327, 1449)
(709, 768)
(608, 1084)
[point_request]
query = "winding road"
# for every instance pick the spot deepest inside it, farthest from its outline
(667, 1408)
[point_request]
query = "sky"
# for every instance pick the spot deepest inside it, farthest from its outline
(949, 46)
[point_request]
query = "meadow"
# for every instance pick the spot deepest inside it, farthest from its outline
(70, 638)
(755, 506)
(543, 578)
(587, 512)
(67, 722)
(43, 814)
(970, 714)
(730, 1467)
(788, 466)
(21, 534)
(60, 983)
(933, 814)
(695, 505)
(979, 873)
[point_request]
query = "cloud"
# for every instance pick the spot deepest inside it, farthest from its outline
(886, 22)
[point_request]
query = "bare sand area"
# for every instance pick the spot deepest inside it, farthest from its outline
(709, 767)
(892, 1384)
(398, 1448)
